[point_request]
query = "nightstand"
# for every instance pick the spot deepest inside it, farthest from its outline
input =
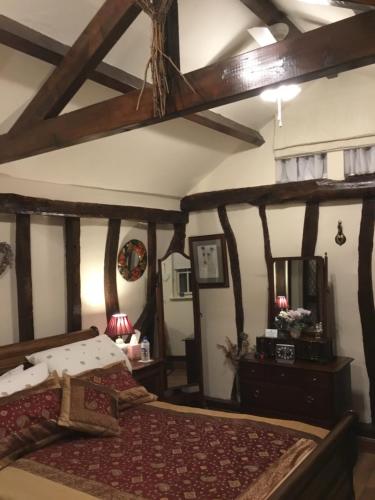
(312, 392)
(151, 375)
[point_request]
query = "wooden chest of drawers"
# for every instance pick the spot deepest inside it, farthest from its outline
(308, 391)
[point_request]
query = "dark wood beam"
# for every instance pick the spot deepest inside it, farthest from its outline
(365, 292)
(226, 126)
(310, 229)
(103, 31)
(19, 37)
(28, 41)
(110, 268)
(24, 281)
(235, 272)
(272, 194)
(73, 274)
(334, 48)
(270, 14)
(269, 263)
(17, 204)
(363, 2)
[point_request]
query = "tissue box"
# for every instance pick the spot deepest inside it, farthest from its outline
(134, 351)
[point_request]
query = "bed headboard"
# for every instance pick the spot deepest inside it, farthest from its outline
(14, 354)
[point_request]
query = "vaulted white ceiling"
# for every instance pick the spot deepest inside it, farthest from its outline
(166, 159)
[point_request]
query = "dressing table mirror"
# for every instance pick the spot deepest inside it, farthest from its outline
(179, 329)
(299, 283)
(302, 281)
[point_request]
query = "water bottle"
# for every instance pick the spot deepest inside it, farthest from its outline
(145, 350)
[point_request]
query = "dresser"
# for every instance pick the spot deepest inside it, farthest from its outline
(312, 392)
(151, 375)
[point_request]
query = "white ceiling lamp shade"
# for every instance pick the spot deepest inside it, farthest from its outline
(317, 2)
(266, 36)
(281, 94)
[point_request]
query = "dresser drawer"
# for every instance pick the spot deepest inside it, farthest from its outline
(270, 396)
(316, 404)
(252, 371)
(312, 380)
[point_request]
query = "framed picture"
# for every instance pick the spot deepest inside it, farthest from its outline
(209, 260)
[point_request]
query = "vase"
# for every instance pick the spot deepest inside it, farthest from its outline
(295, 333)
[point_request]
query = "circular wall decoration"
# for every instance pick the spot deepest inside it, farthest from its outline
(6, 256)
(132, 260)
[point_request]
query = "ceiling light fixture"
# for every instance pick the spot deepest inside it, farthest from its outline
(281, 94)
(317, 2)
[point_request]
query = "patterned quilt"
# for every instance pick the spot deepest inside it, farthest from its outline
(165, 454)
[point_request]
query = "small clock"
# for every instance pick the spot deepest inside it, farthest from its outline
(285, 353)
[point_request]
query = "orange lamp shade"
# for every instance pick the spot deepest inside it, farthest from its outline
(118, 325)
(281, 302)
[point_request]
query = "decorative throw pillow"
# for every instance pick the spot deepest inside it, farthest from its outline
(28, 419)
(80, 356)
(22, 380)
(118, 377)
(11, 372)
(88, 407)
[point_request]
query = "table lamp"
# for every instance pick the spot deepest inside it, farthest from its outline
(119, 325)
(281, 302)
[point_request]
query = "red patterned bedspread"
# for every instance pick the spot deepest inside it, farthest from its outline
(164, 454)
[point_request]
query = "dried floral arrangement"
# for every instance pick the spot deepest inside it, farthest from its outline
(231, 350)
(158, 10)
(6, 256)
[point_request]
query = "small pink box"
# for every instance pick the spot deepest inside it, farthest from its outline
(134, 351)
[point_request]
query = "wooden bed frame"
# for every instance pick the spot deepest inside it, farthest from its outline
(327, 473)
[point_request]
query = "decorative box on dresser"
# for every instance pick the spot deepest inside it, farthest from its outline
(151, 375)
(312, 392)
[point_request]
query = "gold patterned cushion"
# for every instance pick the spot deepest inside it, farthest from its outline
(117, 377)
(28, 419)
(89, 407)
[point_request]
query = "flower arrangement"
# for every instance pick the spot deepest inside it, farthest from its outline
(231, 350)
(293, 319)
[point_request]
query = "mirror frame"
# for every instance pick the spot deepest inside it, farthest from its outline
(123, 269)
(196, 315)
(322, 264)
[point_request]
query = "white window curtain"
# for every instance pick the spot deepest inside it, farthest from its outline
(301, 168)
(359, 161)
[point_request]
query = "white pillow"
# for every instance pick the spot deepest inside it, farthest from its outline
(22, 380)
(80, 356)
(11, 372)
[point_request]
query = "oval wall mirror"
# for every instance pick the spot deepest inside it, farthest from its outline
(132, 260)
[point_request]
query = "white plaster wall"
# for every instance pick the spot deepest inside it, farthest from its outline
(48, 259)
(257, 167)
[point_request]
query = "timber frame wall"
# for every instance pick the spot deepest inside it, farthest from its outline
(312, 194)
(23, 207)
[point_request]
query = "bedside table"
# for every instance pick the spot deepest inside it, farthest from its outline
(312, 392)
(151, 375)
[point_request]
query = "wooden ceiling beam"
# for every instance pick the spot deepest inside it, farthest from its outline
(290, 192)
(270, 14)
(341, 46)
(19, 37)
(28, 41)
(18, 204)
(103, 31)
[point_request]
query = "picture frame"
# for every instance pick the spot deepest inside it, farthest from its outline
(209, 263)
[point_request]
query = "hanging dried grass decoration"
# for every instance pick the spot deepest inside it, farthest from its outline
(6, 256)
(158, 10)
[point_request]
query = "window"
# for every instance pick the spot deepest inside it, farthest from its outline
(359, 161)
(182, 282)
(301, 168)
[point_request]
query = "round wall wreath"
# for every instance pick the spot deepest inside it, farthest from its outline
(6, 256)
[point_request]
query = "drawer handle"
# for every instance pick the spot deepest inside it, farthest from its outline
(310, 399)
(252, 371)
(282, 374)
(256, 393)
(315, 379)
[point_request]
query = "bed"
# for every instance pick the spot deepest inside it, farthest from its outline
(169, 452)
